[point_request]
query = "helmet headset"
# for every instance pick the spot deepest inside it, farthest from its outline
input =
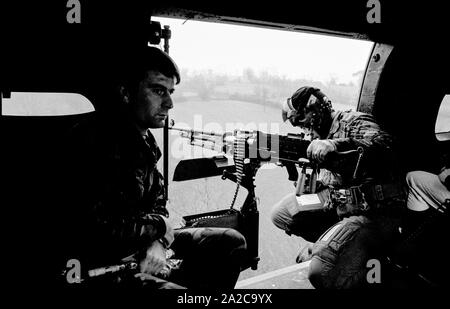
(307, 108)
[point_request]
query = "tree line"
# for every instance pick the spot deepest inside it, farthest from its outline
(263, 88)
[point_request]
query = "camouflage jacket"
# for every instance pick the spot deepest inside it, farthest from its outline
(118, 190)
(350, 130)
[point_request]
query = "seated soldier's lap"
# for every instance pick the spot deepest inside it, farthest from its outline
(212, 257)
(211, 240)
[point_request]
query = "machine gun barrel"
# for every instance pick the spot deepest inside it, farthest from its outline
(205, 139)
(197, 132)
(264, 147)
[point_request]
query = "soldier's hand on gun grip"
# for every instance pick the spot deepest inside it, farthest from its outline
(318, 149)
(154, 260)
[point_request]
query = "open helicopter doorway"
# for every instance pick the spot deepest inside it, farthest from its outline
(237, 77)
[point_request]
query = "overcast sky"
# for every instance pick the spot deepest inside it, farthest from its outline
(229, 48)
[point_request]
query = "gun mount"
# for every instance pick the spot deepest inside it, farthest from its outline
(248, 149)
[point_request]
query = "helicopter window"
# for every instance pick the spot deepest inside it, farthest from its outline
(237, 77)
(442, 128)
(45, 104)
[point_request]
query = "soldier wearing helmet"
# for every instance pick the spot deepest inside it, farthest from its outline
(344, 192)
(308, 108)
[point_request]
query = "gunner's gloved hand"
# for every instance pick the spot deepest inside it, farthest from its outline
(318, 149)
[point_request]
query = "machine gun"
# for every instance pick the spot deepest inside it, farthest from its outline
(255, 148)
(252, 147)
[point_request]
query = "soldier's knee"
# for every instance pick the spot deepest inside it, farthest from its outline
(275, 217)
(280, 215)
(317, 269)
